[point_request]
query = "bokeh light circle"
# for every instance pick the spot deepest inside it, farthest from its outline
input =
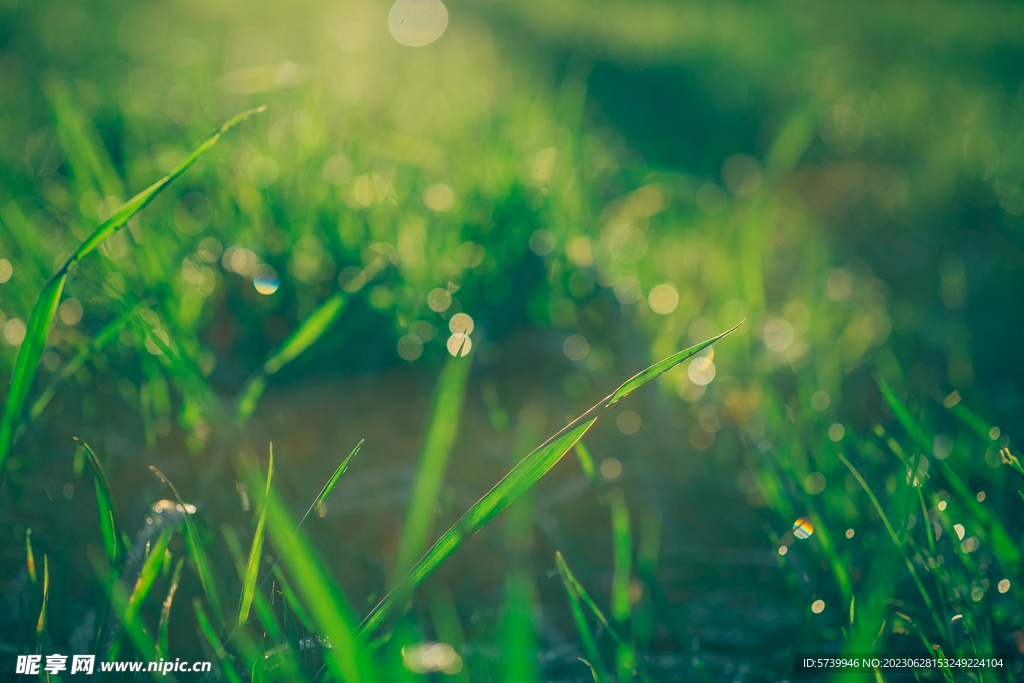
(417, 22)
(265, 279)
(457, 341)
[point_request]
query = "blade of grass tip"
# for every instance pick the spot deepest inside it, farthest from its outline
(345, 658)
(46, 303)
(43, 641)
(165, 611)
(252, 568)
(226, 665)
(311, 329)
(195, 549)
(520, 479)
(587, 465)
(332, 482)
(595, 663)
(105, 504)
(30, 558)
(584, 597)
(442, 428)
(147, 575)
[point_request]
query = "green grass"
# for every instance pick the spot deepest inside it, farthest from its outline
(545, 168)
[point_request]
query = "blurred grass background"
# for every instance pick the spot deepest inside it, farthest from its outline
(597, 185)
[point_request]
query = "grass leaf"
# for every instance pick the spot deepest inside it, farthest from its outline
(252, 568)
(622, 606)
(311, 329)
(332, 482)
(147, 575)
(520, 479)
(105, 503)
(442, 428)
(226, 665)
(586, 635)
(46, 303)
(195, 549)
(165, 610)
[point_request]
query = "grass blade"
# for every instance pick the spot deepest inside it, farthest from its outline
(586, 635)
(165, 611)
(105, 503)
(622, 543)
(332, 482)
(30, 558)
(147, 575)
(442, 428)
(45, 306)
(330, 611)
(311, 329)
(520, 479)
(195, 549)
(211, 637)
(252, 568)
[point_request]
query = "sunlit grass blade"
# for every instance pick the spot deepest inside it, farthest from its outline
(118, 600)
(43, 641)
(328, 608)
(46, 303)
(226, 665)
(105, 504)
(586, 635)
(165, 611)
(311, 329)
(626, 651)
(30, 558)
(519, 480)
(442, 428)
(147, 575)
(332, 482)
(195, 550)
(252, 568)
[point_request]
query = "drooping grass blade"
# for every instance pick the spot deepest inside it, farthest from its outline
(586, 635)
(520, 479)
(46, 303)
(442, 428)
(252, 568)
(105, 504)
(311, 329)
(165, 610)
(195, 549)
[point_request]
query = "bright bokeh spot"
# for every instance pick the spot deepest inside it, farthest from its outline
(820, 400)
(439, 300)
(1004, 586)
(783, 549)
(265, 279)
(14, 331)
(426, 657)
(850, 533)
(628, 422)
(410, 347)
(836, 432)
(460, 322)
(818, 606)
(70, 311)
(610, 468)
(701, 371)
(576, 347)
(803, 528)
(959, 529)
(459, 341)
(663, 299)
(438, 197)
(417, 22)
(6, 270)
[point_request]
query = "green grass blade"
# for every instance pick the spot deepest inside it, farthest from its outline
(105, 503)
(226, 665)
(514, 484)
(622, 606)
(195, 549)
(311, 329)
(165, 610)
(331, 614)
(332, 482)
(30, 558)
(147, 575)
(442, 428)
(252, 568)
(46, 303)
(586, 635)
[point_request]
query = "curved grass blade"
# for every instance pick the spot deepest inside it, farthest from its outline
(211, 637)
(165, 610)
(595, 663)
(442, 428)
(45, 306)
(311, 329)
(332, 482)
(195, 549)
(521, 478)
(252, 568)
(105, 503)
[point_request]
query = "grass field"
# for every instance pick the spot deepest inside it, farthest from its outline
(325, 330)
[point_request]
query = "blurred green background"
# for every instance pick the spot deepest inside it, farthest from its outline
(597, 185)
